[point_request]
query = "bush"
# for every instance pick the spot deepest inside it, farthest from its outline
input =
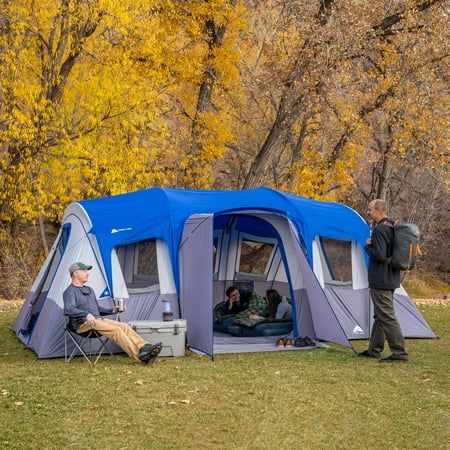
(425, 284)
(20, 260)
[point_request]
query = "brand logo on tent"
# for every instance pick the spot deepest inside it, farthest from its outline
(358, 330)
(105, 293)
(118, 230)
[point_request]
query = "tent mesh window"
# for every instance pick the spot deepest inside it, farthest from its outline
(338, 258)
(254, 257)
(139, 264)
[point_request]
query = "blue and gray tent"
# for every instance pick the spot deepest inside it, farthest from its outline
(186, 247)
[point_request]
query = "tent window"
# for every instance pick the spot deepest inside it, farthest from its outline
(139, 264)
(338, 262)
(146, 266)
(255, 257)
(59, 250)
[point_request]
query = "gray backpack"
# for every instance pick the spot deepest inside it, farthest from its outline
(405, 249)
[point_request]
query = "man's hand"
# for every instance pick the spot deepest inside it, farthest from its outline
(369, 241)
(90, 319)
(231, 302)
(255, 317)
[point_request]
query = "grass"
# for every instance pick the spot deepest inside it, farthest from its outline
(319, 399)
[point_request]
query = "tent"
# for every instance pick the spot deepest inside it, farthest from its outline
(186, 247)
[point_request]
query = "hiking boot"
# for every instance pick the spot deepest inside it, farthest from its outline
(288, 343)
(148, 353)
(393, 358)
(309, 342)
(367, 354)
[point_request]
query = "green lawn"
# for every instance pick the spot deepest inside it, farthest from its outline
(319, 399)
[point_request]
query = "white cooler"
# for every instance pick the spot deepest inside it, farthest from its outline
(172, 334)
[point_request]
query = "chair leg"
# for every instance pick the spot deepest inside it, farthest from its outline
(90, 355)
(77, 347)
(68, 357)
(103, 347)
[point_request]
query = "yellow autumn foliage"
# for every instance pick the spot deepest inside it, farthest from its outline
(99, 97)
(89, 89)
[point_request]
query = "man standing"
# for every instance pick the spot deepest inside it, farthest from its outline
(383, 280)
(80, 304)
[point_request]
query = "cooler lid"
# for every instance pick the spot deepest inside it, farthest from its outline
(141, 325)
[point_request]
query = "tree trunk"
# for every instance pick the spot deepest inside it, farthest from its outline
(287, 114)
(291, 100)
(297, 152)
(384, 142)
(214, 36)
(42, 232)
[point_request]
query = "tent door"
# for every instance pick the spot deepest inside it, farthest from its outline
(196, 281)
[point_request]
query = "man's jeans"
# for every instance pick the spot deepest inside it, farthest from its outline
(386, 326)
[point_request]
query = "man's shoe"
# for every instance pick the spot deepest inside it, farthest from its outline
(367, 354)
(280, 342)
(393, 358)
(288, 343)
(148, 353)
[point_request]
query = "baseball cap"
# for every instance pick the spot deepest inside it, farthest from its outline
(78, 266)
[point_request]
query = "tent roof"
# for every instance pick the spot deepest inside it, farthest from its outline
(161, 213)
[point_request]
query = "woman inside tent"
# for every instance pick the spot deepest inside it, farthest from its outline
(279, 308)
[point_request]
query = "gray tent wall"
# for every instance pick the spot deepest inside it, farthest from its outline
(37, 294)
(307, 290)
(412, 323)
(34, 302)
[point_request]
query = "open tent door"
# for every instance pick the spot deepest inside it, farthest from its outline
(325, 322)
(196, 281)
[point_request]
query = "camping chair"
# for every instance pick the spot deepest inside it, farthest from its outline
(84, 344)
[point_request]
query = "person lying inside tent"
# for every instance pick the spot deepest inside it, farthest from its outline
(274, 309)
(231, 306)
(257, 310)
(225, 312)
(280, 309)
(83, 310)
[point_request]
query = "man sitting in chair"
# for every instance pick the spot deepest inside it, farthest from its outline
(84, 313)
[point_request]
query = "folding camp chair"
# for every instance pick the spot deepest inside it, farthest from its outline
(86, 344)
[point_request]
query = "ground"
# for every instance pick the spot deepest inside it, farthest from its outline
(318, 399)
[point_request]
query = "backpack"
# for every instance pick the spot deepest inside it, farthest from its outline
(405, 248)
